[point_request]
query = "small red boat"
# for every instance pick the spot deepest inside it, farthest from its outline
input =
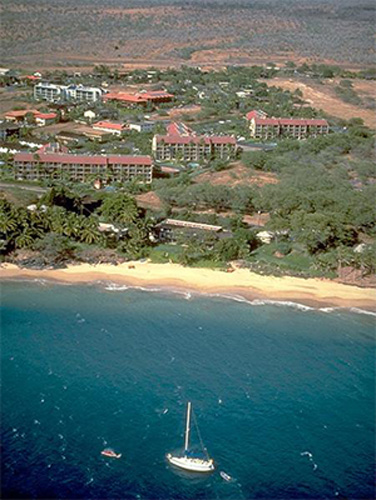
(110, 453)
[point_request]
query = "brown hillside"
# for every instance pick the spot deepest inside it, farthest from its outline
(56, 33)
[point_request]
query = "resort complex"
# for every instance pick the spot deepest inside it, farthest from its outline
(264, 128)
(59, 166)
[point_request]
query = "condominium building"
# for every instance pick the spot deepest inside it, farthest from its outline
(46, 91)
(49, 165)
(50, 92)
(142, 126)
(193, 148)
(263, 127)
(82, 93)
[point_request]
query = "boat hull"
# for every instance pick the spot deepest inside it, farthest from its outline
(191, 464)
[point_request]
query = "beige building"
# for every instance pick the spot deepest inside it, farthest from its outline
(263, 127)
(42, 165)
(193, 148)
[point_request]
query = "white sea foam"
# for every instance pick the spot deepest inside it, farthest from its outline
(362, 311)
(113, 287)
(116, 288)
(109, 286)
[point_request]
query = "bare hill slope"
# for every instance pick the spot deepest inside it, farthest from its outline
(48, 32)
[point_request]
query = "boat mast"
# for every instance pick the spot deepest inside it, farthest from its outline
(187, 429)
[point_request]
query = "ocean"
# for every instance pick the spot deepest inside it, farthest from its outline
(284, 396)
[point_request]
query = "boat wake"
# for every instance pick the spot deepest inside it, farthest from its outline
(310, 457)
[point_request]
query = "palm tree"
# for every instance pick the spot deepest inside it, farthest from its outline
(8, 223)
(25, 239)
(89, 232)
(71, 225)
(58, 216)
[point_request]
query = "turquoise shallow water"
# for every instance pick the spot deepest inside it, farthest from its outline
(285, 398)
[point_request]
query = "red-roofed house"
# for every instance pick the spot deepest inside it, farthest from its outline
(193, 148)
(19, 115)
(43, 119)
(256, 113)
(32, 78)
(110, 127)
(116, 168)
(262, 127)
(179, 128)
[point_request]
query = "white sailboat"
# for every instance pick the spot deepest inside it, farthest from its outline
(188, 461)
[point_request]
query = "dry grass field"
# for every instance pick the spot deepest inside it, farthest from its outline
(238, 175)
(52, 33)
(323, 97)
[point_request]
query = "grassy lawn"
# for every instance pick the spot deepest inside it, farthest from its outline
(297, 262)
(165, 253)
(20, 197)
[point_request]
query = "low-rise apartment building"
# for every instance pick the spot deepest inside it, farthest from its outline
(115, 168)
(263, 127)
(170, 230)
(41, 119)
(142, 126)
(50, 92)
(141, 98)
(45, 91)
(81, 93)
(110, 127)
(19, 116)
(193, 148)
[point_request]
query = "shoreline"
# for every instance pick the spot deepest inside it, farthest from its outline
(239, 285)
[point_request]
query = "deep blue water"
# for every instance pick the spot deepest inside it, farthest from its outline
(284, 398)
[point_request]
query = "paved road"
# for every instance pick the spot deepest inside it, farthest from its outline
(35, 189)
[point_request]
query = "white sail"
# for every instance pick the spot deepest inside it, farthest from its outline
(187, 427)
(187, 462)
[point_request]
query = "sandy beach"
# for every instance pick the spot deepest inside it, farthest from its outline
(240, 283)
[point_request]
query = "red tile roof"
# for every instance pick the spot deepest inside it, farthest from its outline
(223, 139)
(181, 139)
(319, 122)
(109, 125)
(70, 159)
(259, 120)
(189, 139)
(46, 116)
(266, 121)
(293, 121)
(32, 77)
(139, 98)
(21, 113)
(156, 94)
(123, 96)
(61, 158)
(129, 160)
(255, 113)
(179, 128)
